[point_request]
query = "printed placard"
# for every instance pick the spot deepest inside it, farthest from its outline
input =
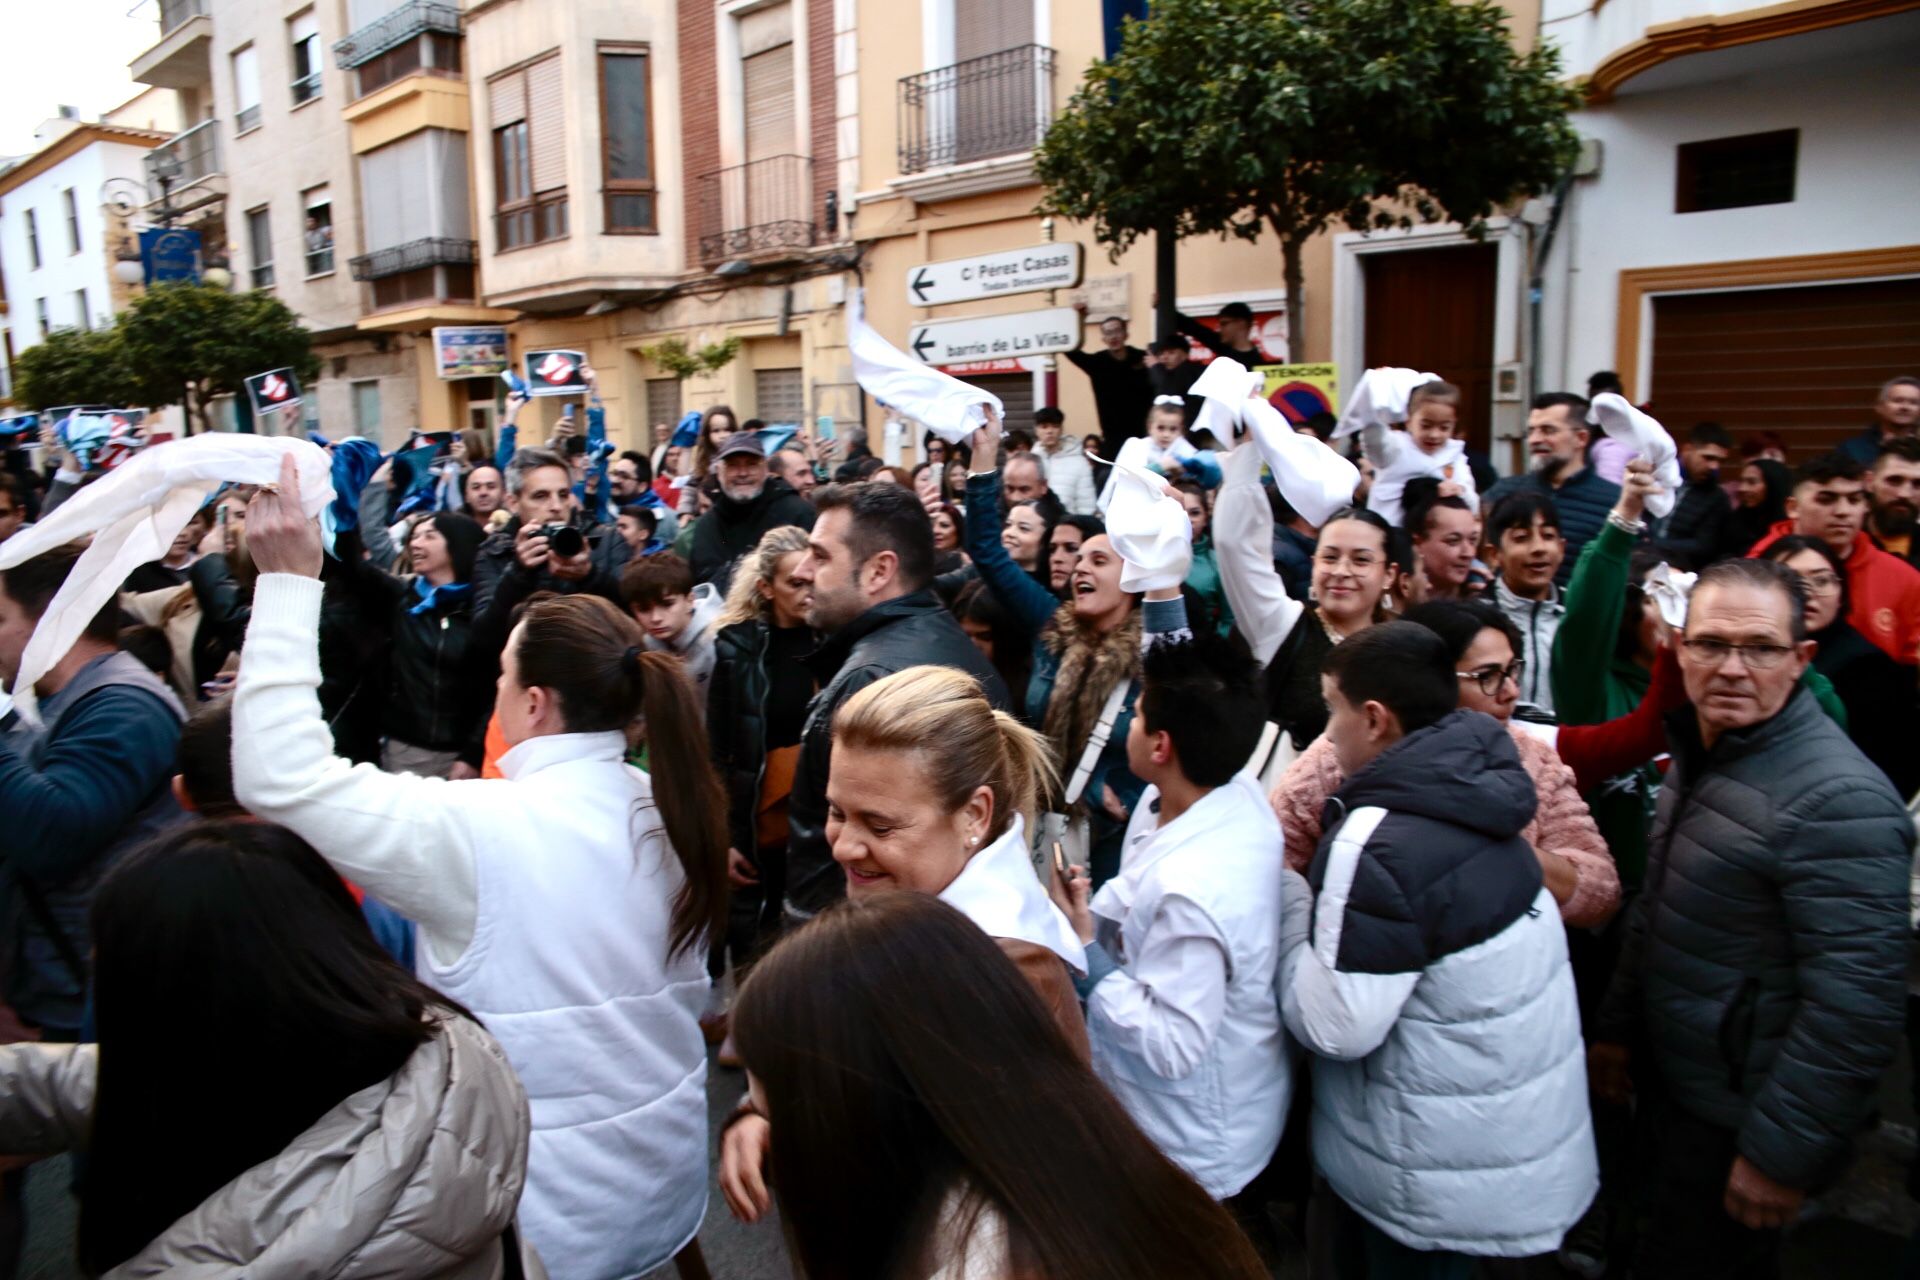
(273, 390)
(555, 373)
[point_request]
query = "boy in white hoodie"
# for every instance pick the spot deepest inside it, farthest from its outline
(677, 616)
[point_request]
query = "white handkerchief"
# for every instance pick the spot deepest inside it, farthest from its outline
(946, 406)
(1620, 420)
(134, 514)
(1149, 528)
(1380, 399)
(1670, 588)
(1314, 479)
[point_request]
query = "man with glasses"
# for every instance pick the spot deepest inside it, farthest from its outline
(1829, 502)
(1762, 980)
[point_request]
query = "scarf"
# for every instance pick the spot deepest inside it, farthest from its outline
(1091, 665)
(448, 593)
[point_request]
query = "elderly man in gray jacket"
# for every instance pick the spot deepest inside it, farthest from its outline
(1760, 990)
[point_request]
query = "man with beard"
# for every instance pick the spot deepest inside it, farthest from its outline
(1894, 498)
(750, 502)
(1557, 466)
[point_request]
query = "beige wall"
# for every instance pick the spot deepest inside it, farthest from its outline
(504, 34)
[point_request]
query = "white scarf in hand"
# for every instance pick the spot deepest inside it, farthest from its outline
(1314, 479)
(1380, 399)
(946, 406)
(1648, 439)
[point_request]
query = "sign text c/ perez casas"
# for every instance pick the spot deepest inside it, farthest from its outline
(1008, 337)
(995, 275)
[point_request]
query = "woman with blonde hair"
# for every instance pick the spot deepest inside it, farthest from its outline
(931, 792)
(756, 707)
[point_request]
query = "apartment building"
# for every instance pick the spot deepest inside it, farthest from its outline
(658, 173)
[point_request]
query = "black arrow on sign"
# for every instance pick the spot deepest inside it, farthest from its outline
(922, 343)
(920, 283)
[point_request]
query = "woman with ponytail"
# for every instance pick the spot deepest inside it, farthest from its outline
(569, 904)
(931, 792)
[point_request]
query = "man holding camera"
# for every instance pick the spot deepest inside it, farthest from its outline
(545, 547)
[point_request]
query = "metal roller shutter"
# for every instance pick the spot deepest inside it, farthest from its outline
(779, 397)
(547, 124)
(1016, 394)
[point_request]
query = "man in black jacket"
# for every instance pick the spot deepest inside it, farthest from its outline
(1761, 984)
(870, 561)
(750, 502)
(1690, 539)
(1121, 391)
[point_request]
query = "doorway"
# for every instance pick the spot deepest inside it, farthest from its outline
(1433, 310)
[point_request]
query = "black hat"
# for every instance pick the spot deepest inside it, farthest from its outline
(742, 442)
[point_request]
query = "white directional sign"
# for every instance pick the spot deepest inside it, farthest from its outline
(995, 275)
(1024, 333)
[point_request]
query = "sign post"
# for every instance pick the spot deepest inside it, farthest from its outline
(1008, 337)
(995, 275)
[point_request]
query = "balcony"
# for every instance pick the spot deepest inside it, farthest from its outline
(186, 160)
(181, 59)
(415, 18)
(977, 110)
(415, 255)
(758, 208)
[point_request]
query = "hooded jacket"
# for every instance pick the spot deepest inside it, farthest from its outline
(732, 528)
(1884, 590)
(1450, 1083)
(1764, 965)
(694, 645)
(417, 1175)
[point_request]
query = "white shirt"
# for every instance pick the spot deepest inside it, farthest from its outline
(1397, 459)
(999, 891)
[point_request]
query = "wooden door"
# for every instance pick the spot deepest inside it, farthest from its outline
(1432, 309)
(1805, 362)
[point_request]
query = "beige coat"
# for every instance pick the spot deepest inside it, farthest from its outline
(415, 1176)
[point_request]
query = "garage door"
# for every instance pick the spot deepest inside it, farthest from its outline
(1805, 362)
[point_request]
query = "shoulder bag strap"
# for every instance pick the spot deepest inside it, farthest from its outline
(1097, 742)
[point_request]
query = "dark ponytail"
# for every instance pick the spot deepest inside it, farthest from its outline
(591, 656)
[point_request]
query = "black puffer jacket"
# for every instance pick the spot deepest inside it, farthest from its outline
(732, 529)
(737, 722)
(912, 631)
(1763, 973)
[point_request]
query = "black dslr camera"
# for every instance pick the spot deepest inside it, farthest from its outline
(563, 540)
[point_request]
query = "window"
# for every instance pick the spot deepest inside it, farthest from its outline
(663, 405)
(260, 245)
(626, 142)
(1733, 173)
(82, 313)
(73, 220)
(366, 409)
(40, 313)
(303, 33)
(433, 52)
(528, 118)
(246, 90)
(33, 241)
(766, 75)
(779, 396)
(318, 230)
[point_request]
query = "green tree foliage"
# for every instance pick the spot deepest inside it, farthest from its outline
(673, 355)
(71, 366)
(1233, 115)
(186, 344)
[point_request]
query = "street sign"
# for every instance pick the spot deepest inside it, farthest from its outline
(1024, 333)
(995, 275)
(169, 254)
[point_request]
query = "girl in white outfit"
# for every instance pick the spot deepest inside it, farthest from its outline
(568, 904)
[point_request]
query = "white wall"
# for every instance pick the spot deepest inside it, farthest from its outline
(62, 272)
(1858, 187)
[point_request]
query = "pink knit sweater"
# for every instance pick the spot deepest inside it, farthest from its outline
(1562, 825)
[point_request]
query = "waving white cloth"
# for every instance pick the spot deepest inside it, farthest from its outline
(134, 514)
(1148, 527)
(1380, 399)
(946, 406)
(1670, 588)
(1648, 439)
(1315, 480)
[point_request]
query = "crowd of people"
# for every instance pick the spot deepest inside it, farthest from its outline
(1149, 853)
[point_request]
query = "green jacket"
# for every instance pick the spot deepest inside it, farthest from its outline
(1204, 579)
(1592, 686)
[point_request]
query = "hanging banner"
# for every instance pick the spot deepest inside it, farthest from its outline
(471, 351)
(1299, 391)
(555, 373)
(273, 390)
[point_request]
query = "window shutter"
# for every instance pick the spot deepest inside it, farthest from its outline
(779, 396)
(547, 124)
(246, 79)
(768, 80)
(762, 29)
(507, 99)
(305, 27)
(981, 27)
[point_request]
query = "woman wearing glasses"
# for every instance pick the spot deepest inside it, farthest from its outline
(1574, 860)
(1877, 692)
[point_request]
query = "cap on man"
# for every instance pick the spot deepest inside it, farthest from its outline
(751, 501)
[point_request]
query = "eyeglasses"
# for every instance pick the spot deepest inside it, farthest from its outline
(1490, 678)
(1708, 652)
(1821, 584)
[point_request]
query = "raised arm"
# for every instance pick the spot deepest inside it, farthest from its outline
(1030, 604)
(1243, 550)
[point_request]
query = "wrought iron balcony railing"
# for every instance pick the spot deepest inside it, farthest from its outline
(394, 29)
(412, 256)
(174, 13)
(751, 208)
(183, 159)
(997, 105)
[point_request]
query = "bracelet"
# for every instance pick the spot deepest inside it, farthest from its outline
(1634, 527)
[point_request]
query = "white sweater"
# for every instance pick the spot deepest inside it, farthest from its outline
(543, 901)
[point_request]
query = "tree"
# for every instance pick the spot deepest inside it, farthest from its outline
(1230, 115)
(186, 344)
(71, 366)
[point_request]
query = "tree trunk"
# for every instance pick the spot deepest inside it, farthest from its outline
(1291, 247)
